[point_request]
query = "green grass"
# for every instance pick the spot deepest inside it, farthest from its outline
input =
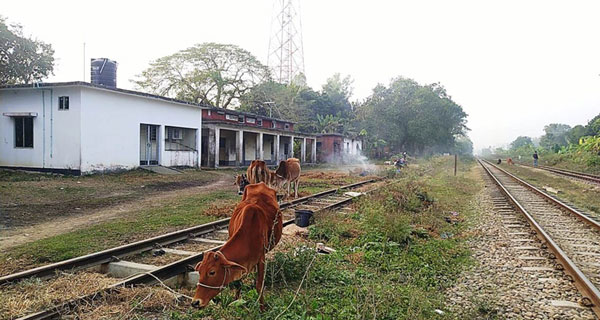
(390, 263)
(175, 214)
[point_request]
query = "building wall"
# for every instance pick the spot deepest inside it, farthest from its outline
(328, 143)
(110, 134)
(56, 133)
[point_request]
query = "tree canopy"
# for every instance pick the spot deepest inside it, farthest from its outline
(403, 116)
(23, 60)
(412, 117)
(555, 136)
(521, 142)
(210, 73)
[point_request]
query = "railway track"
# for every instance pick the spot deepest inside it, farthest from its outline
(176, 245)
(568, 173)
(572, 236)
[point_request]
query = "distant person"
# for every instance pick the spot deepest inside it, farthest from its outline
(535, 159)
(499, 161)
(404, 156)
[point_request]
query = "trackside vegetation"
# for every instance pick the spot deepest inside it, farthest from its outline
(396, 252)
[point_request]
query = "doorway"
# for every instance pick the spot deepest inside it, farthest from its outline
(148, 144)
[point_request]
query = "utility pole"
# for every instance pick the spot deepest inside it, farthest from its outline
(84, 62)
(286, 50)
(455, 161)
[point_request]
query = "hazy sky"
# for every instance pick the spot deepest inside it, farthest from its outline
(514, 66)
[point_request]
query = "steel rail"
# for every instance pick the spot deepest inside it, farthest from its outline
(570, 173)
(585, 286)
(165, 272)
(574, 174)
(558, 202)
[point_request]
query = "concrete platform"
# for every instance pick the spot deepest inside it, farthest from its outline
(161, 169)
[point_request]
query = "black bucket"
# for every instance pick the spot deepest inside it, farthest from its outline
(303, 218)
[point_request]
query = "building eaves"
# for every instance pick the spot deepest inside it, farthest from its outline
(101, 87)
(250, 128)
(249, 114)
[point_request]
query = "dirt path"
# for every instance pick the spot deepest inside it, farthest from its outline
(21, 235)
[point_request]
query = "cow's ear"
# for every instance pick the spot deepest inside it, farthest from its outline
(233, 266)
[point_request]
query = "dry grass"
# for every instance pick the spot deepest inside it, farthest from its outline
(134, 303)
(221, 209)
(34, 295)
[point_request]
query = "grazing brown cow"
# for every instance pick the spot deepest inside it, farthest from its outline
(510, 161)
(288, 172)
(254, 229)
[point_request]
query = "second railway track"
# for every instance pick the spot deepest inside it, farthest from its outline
(201, 238)
(567, 173)
(572, 237)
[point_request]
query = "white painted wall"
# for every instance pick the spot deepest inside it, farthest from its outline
(249, 147)
(110, 123)
(267, 148)
(56, 134)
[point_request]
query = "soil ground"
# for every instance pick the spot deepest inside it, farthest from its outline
(72, 221)
(36, 206)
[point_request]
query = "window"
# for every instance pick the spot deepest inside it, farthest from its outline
(259, 122)
(23, 132)
(273, 124)
(287, 126)
(209, 113)
(176, 134)
(241, 119)
(180, 139)
(250, 120)
(231, 117)
(63, 103)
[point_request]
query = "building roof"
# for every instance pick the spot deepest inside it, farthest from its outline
(101, 87)
(132, 92)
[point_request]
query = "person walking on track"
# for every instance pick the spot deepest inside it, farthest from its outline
(535, 159)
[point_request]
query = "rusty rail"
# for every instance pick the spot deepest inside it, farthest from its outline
(584, 285)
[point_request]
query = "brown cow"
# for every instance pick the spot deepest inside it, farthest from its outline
(254, 229)
(288, 172)
(510, 161)
(257, 172)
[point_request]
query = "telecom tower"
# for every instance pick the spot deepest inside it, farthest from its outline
(286, 51)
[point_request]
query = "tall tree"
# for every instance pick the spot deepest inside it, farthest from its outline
(412, 117)
(520, 142)
(210, 73)
(555, 136)
(23, 60)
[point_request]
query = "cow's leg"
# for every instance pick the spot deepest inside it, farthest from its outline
(260, 279)
(289, 185)
(296, 186)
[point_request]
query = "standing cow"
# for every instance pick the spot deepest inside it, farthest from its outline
(288, 172)
(254, 229)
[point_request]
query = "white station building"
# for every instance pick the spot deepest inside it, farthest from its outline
(81, 128)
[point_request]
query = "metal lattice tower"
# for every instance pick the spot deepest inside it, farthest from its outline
(286, 51)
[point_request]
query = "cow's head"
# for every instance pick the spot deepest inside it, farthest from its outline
(215, 273)
(241, 181)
